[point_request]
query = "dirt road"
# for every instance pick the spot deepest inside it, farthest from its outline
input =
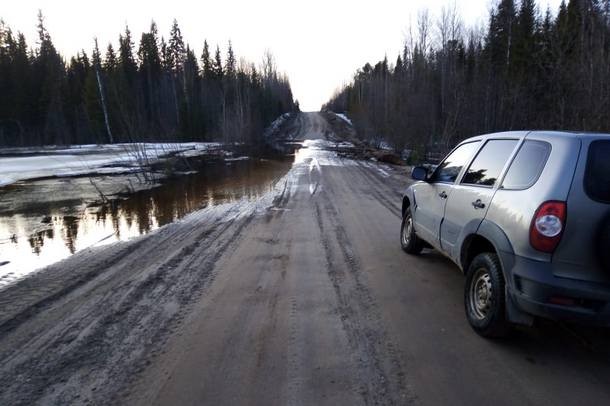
(301, 298)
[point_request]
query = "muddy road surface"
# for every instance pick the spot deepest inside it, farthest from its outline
(302, 297)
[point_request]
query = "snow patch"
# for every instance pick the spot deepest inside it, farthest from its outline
(383, 172)
(17, 164)
(275, 125)
(344, 118)
(239, 158)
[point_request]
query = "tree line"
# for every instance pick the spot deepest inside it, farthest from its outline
(523, 70)
(157, 91)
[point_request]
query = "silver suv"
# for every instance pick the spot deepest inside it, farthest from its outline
(526, 216)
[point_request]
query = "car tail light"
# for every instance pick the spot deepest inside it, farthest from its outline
(548, 225)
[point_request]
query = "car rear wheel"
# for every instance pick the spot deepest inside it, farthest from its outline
(409, 241)
(484, 296)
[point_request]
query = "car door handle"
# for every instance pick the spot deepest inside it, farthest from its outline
(443, 195)
(478, 204)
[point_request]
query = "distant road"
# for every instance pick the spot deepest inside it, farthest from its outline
(303, 299)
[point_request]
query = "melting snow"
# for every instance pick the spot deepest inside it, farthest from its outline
(344, 118)
(18, 164)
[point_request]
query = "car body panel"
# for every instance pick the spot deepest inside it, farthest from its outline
(460, 212)
(429, 209)
(430, 206)
(513, 210)
(576, 255)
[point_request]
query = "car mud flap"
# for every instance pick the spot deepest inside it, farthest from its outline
(516, 315)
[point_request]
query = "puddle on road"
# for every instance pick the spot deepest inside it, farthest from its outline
(42, 222)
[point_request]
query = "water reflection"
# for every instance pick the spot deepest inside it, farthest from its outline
(59, 235)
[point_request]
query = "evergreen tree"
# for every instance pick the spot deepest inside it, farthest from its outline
(49, 69)
(150, 71)
(156, 93)
(127, 62)
(230, 63)
(527, 71)
(206, 61)
(177, 51)
(501, 34)
(166, 57)
(92, 97)
(217, 64)
(110, 60)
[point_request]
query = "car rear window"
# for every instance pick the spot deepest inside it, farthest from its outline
(527, 166)
(487, 166)
(597, 175)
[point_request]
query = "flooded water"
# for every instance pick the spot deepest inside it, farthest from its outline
(42, 222)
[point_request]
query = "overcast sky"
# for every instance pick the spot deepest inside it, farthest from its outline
(319, 44)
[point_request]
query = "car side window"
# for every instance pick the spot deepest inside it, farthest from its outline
(450, 168)
(489, 162)
(527, 165)
(597, 175)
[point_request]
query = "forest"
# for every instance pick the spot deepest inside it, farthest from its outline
(160, 90)
(524, 69)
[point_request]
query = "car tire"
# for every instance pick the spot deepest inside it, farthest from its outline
(485, 297)
(409, 241)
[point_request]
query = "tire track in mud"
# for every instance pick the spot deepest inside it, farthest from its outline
(385, 181)
(382, 380)
(294, 383)
(119, 342)
(187, 299)
(279, 249)
(375, 189)
(16, 320)
(94, 269)
(62, 304)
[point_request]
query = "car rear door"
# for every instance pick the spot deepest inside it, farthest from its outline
(470, 199)
(583, 252)
(432, 195)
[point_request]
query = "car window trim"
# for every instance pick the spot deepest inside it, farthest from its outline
(500, 179)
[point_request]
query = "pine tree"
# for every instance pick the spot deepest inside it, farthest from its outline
(526, 41)
(51, 71)
(127, 61)
(192, 124)
(156, 93)
(110, 60)
(217, 64)
(166, 58)
(501, 34)
(177, 52)
(206, 61)
(96, 56)
(148, 53)
(92, 105)
(230, 63)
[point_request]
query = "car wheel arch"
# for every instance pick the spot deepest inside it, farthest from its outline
(495, 239)
(490, 236)
(474, 245)
(406, 203)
